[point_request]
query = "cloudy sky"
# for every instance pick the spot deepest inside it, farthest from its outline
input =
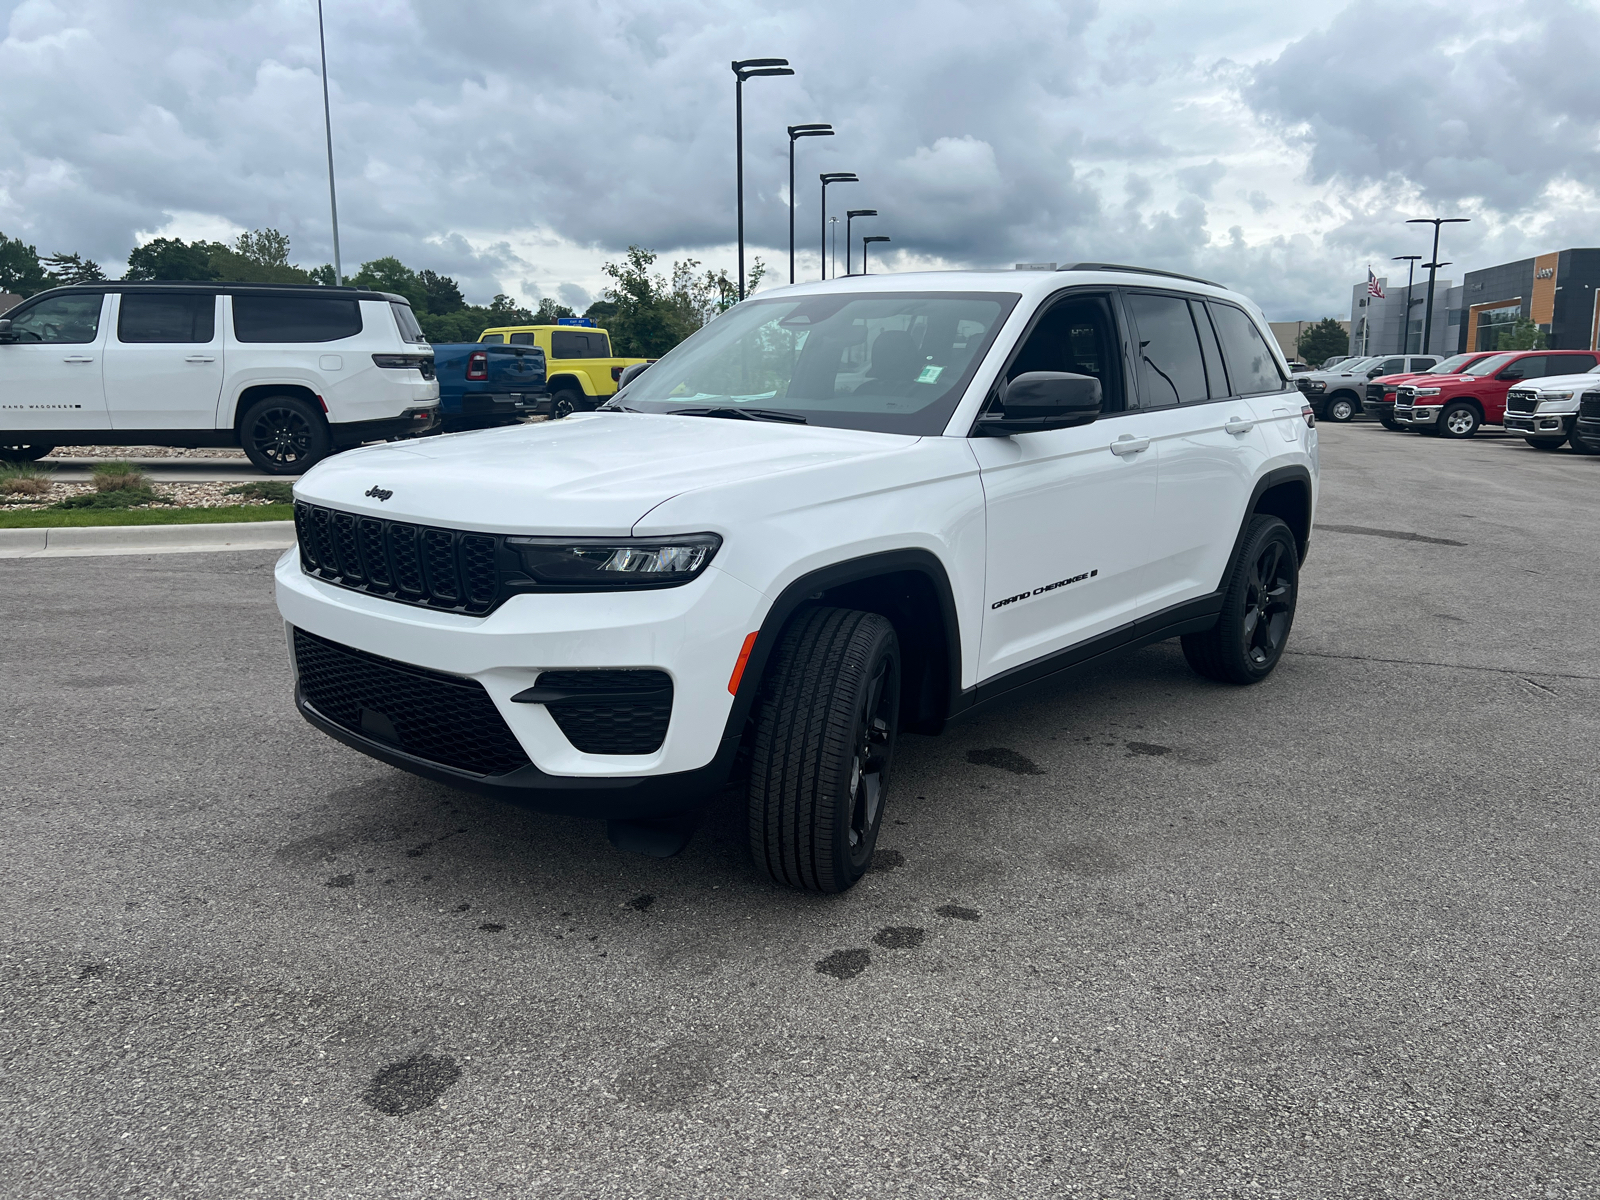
(519, 144)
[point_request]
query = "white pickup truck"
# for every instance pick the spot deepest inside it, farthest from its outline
(838, 512)
(290, 373)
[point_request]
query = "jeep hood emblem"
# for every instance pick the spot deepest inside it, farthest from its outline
(380, 493)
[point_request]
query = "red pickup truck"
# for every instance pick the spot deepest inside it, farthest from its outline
(1456, 405)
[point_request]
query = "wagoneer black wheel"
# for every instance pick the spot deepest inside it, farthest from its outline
(825, 732)
(1257, 608)
(25, 453)
(283, 435)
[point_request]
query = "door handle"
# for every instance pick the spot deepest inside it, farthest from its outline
(1127, 445)
(77, 358)
(201, 358)
(1239, 426)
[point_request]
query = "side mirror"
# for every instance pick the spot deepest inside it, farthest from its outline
(632, 373)
(1375, 372)
(5, 330)
(1511, 373)
(1043, 400)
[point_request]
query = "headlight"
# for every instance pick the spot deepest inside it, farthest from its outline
(1427, 391)
(1315, 385)
(1558, 402)
(604, 564)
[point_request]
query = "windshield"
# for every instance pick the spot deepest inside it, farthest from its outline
(1351, 365)
(1489, 365)
(1451, 366)
(892, 362)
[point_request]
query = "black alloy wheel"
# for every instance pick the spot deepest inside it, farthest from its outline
(1258, 608)
(826, 719)
(283, 435)
(28, 452)
(565, 402)
(1341, 409)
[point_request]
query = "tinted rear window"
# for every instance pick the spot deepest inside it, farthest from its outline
(147, 318)
(410, 331)
(569, 344)
(1251, 367)
(294, 319)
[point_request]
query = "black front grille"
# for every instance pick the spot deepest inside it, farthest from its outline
(1589, 405)
(418, 564)
(612, 726)
(443, 718)
(1522, 402)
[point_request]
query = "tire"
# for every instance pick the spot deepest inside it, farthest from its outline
(1580, 444)
(568, 401)
(1241, 647)
(25, 453)
(826, 721)
(1458, 420)
(283, 435)
(1389, 423)
(1341, 409)
(1545, 443)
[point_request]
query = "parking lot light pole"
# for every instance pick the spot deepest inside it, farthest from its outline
(799, 131)
(865, 242)
(747, 68)
(327, 127)
(849, 216)
(828, 177)
(1433, 267)
(1411, 261)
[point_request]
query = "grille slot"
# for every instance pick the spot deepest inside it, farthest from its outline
(344, 540)
(439, 562)
(442, 718)
(609, 725)
(369, 535)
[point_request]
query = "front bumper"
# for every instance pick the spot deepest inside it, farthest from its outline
(1539, 424)
(1416, 415)
(1378, 409)
(694, 633)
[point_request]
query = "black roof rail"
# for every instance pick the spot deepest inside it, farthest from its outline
(223, 285)
(1088, 266)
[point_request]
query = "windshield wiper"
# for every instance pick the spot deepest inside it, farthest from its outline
(741, 414)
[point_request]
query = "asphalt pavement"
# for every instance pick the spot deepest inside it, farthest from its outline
(1136, 935)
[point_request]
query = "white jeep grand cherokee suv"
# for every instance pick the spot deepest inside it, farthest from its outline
(290, 373)
(840, 511)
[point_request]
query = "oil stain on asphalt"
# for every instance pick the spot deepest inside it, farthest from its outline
(845, 964)
(956, 912)
(410, 1086)
(1005, 760)
(899, 937)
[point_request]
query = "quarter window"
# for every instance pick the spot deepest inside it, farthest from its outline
(1171, 370)
(527, 339)
(1212, 352)
(1250, 364)
(410, 331)
(294, 318)
(493, 339)
(566, 343)
(67, 320)
(145, 317)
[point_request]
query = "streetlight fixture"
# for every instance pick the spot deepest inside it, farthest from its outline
(828, 177)
(747, 68)
(865, 242)
(1411, 261)
(799, 131)
(849, 216)
(1433, 267)
(834, 221)
(327, 126)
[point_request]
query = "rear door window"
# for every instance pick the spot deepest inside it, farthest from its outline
(569, 343)
(1171, 370)
(1423, 364)
(527, 339)
(187, 319)
(493, 339)
(294, 318)
(1251, 366)
(1569, 364)
(65, 320)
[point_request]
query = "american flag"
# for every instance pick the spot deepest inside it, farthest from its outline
(1374, 288)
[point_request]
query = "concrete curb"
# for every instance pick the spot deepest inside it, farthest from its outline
(95, 540)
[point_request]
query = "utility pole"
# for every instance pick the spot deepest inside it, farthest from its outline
(327, 126)
(849, 216)
(1433, 268)
(828, 177)
(1411, 261)
(799, 131)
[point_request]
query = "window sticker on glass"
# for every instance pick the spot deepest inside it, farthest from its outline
(930, 374)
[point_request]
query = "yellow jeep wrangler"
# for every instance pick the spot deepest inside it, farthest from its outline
(580, 371)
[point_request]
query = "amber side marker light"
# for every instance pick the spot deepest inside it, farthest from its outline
(738, 667)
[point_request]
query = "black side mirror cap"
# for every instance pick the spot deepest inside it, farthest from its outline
(632, 373)
(5, 330)
(1041, 400)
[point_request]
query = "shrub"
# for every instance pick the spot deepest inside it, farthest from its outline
(270, 490)
(23, 479)
(122, 498)
(119, 477)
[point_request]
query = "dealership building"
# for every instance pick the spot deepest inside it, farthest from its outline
(1559, 292)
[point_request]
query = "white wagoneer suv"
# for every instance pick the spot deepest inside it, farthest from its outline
(290, 373)
(840, 511)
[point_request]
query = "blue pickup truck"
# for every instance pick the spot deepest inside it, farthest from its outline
(482, 385)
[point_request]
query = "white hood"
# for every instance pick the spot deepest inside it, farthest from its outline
(591, 473)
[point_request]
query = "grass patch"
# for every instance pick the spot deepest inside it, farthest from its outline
(119, 477)
(117, 498)
(23, 480)
(55, 518)
(278, 493)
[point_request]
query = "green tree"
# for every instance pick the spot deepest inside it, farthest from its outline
(265, 247)
(549, 312)
(441, 293)
(1523, 335)
(1322, 341)
(389, 274)
(72, 268)
(21, 273)
(171, 258)
(324, 275)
